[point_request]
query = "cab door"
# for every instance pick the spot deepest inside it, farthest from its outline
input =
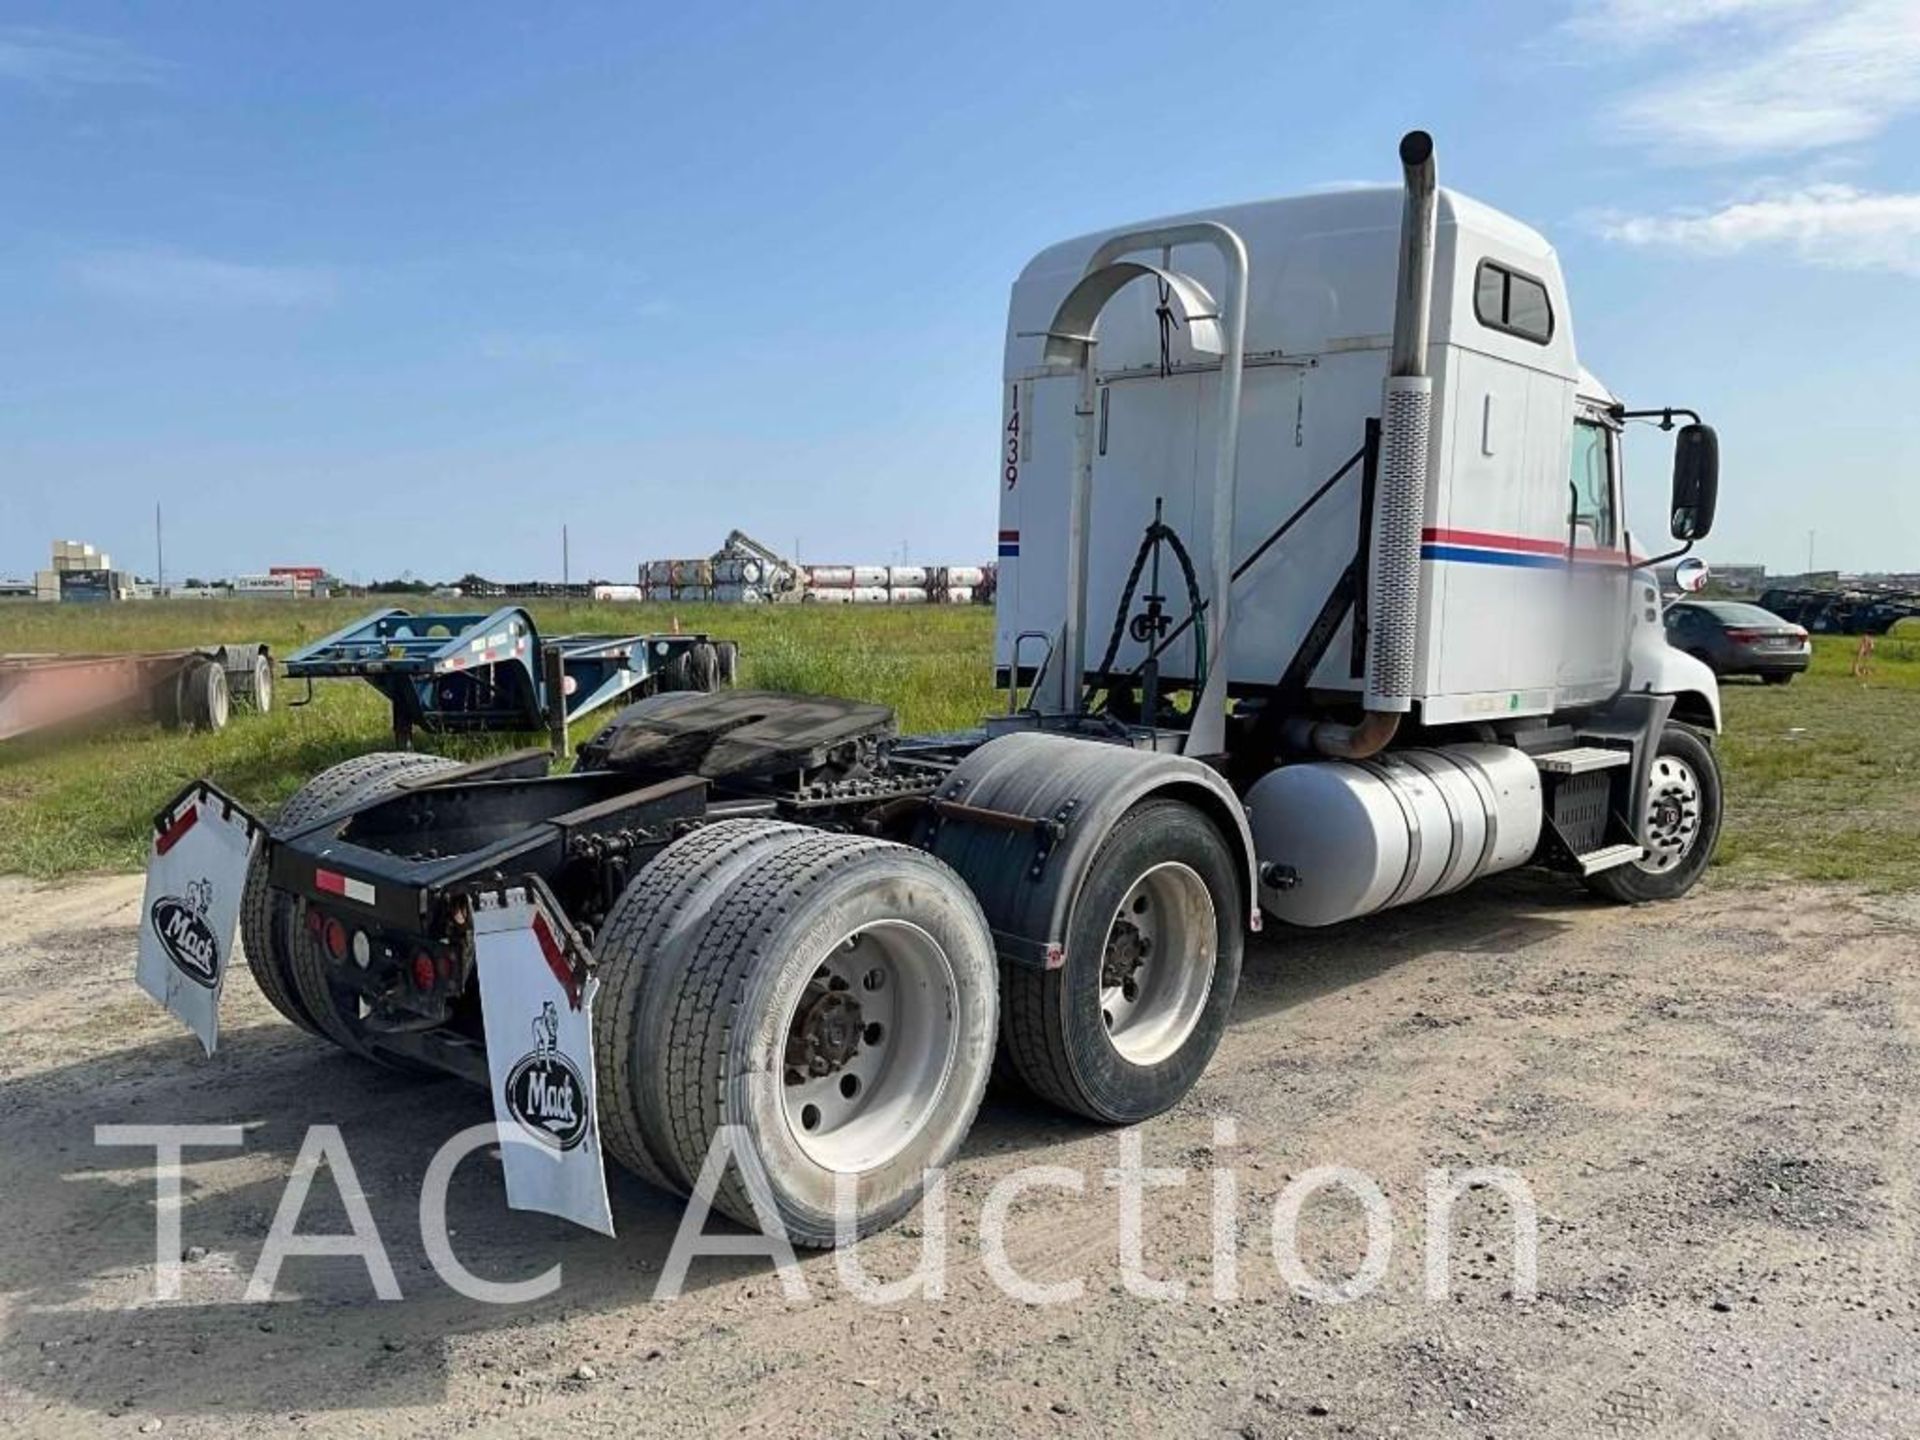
(1598, 572)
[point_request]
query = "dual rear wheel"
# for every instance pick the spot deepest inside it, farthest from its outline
(829, 1006)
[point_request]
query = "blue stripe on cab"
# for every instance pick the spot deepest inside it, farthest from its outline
(1010, 551)
(1491, 557)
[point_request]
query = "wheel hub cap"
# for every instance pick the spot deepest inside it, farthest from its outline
(1157, 969)
(1673, 815)
(870, 1041)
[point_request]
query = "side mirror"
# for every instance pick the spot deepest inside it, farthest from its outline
(1690, 575)
(1696, 481)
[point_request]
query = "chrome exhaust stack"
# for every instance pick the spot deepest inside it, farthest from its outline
(1400, 500)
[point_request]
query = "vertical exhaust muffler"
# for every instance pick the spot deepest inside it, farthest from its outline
(1400, 499)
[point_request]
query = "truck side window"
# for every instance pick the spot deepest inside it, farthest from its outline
(1506, 300)
(1592, 485)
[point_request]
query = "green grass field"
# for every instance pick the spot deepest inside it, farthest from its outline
(1823, 776)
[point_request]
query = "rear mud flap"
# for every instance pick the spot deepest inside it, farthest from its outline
(196, 870)
(537, 999)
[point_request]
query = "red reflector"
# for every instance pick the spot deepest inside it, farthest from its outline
(336, 939)
(422, 971)
(182, 823)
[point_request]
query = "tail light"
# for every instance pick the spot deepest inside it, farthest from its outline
(336, 939)
(423, 972)
(1742, 636)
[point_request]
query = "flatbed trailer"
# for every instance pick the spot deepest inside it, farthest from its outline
(179, 688)
(445, 672)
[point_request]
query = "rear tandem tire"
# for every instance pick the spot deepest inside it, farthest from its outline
(1117, 1033)
(276, 954)
(637, 956)
(707, 1010)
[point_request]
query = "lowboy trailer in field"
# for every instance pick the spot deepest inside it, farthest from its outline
(443, 672)
(1377, 632)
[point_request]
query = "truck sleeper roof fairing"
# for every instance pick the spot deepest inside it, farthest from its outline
(1322, 270)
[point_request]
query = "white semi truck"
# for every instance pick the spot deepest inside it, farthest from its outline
(1316, 597)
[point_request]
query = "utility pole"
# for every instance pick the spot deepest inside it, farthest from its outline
(159, 557)
(1810, 535)
(566, 561)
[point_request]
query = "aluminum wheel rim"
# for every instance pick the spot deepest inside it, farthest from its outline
(1157, 966)
(1671, 824)
(870, 1104)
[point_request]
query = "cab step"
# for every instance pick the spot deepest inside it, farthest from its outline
(1581, 759)
(1607, 857)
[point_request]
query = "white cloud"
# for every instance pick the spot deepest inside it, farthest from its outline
(1837, 226)
(61, 59)
(1771, 76)
(1647, 22)
(170, 278)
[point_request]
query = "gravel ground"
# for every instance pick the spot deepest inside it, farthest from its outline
(1710, 1104)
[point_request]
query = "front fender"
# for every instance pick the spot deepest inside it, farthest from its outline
(1655, 667)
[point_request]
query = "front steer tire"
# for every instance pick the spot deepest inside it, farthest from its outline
(1684, 756)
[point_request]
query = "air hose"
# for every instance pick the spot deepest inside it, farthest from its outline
(1158, 533)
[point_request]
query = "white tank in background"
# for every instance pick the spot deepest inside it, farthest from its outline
(657, 572)
(910, 576)
(1337, 839)
(693, 594)
(830, 577)
(692, 572)
(957, 595)
(870, 575)
(961, 577)
(829, 595)
(659, 594)
(907, 595)
(868, 594)
(738, 570)
(739, 594)
(625, 593)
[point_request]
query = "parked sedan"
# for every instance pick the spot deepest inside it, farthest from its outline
(1738, 639)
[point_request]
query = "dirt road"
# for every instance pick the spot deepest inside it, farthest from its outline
(1712, 1105)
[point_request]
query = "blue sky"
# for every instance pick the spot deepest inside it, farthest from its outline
(407, 287)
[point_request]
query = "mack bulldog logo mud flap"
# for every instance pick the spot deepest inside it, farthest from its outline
(538, 1004)
(196, 870)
